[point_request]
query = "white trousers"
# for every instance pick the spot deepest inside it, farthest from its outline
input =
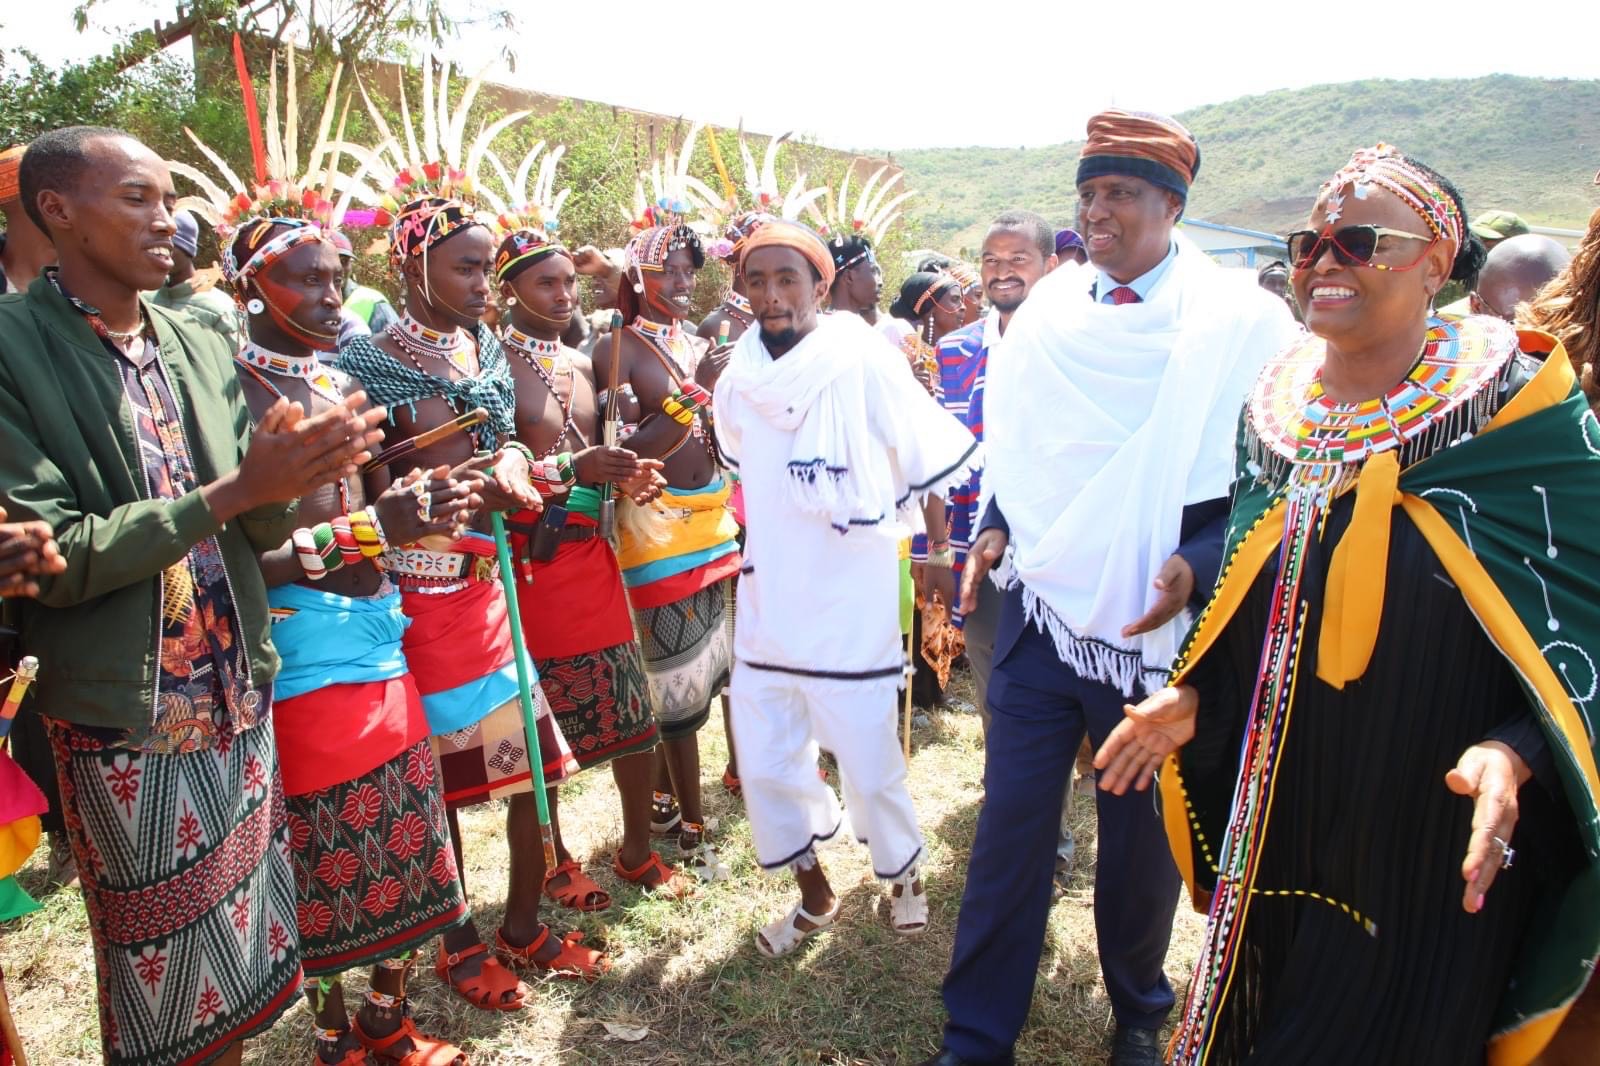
(779, 723)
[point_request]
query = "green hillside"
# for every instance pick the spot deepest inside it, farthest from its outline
(1526, 144)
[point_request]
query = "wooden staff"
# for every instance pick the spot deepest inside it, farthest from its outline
(608, 506)
(8, 1027)
(911, 672)
(475, 417)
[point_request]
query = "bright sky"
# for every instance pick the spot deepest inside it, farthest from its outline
(935, 73)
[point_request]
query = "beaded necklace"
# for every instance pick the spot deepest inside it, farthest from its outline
(665, 340)
(414, 339)
(324, 385)
(534, 352)
(311, 370)
(739, 308)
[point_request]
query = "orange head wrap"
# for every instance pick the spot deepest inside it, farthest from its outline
(10, 164)
(1140, 145)
(782, 234)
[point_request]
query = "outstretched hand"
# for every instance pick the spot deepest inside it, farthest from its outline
(1490, 774)
(1136, 748)
(985, 552)
(1175, 583)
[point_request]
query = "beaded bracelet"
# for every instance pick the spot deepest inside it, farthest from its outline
(327, 547)
(522, 450)
(363, 527)
(305, 550)
(568, 468)
(344, 537)
(377, 528)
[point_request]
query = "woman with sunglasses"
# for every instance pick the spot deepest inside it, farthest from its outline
(1376, 755)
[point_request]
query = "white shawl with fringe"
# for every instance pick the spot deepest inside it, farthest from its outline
(853, 462)
(1102, 423)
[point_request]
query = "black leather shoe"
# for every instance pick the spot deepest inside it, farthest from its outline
(1136, 1047)
(946, 1057)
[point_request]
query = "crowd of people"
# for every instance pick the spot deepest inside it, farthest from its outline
(307, 574)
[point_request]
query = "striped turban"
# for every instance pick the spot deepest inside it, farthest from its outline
(1139, 144)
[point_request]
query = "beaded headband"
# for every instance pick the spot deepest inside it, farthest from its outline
(1383, 165)
(425, 222)
(933, 291)
(650, 248)
(523, 248)
(739, 230)
(298, 232)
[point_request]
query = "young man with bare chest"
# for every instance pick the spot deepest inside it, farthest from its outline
(575, 616)
(436, 363)
(677, 555)
(365, 814)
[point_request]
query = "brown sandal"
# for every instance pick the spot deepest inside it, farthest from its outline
(666, 876)
(581, 892)
(572, 961)
(425, 1051)
(487, 988)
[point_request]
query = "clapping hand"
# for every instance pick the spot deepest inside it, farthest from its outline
(27, 550)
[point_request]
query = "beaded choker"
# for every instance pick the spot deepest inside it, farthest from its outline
(545, 351)
(416, 339)
(740, 306)
(664, 331)
(309, 369)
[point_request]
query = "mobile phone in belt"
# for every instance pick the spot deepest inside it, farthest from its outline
(546, 539)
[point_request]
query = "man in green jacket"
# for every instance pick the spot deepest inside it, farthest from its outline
(122, 428)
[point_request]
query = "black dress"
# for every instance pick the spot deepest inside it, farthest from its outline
(1361, 816)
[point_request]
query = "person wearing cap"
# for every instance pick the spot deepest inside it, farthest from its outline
(207, 306)
(817, 652)
(1123, 379)
(858, 286)
(366, 310)
(1492, 227)
(25, 249)
(1069, 247)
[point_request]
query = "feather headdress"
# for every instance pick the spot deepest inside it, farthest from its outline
(762, 199)
(874, 211)
(440, 164)
(318, 191)
(521, 205)
(675, 197)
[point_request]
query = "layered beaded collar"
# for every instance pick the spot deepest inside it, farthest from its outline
(416, 339)
(741, 307)
(545, 351)
(658, 331)
(323, 379)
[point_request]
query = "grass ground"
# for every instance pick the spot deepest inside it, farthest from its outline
(689, 972)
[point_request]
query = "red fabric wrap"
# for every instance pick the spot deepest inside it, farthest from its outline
(575, 603)
(457, 637)
(338, 733)
(682, 586)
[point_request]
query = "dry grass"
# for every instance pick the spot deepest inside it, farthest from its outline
(689, 972)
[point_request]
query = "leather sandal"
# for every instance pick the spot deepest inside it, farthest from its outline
(425, 1051)
(573, 961)
(779, 938)
(581, 892)
(486, 989)
(667, 881)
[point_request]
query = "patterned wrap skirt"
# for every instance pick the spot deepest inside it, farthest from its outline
(184, 861)
(374, 872)
(687, 656)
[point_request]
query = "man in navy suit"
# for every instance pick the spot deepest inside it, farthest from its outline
(1110, 419)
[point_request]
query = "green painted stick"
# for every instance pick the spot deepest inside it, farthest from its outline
(530, 724)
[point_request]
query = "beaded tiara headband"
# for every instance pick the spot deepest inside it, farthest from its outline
(1384, 166)
(298, 232)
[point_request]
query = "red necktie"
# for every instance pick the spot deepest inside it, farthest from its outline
(1122, 294)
